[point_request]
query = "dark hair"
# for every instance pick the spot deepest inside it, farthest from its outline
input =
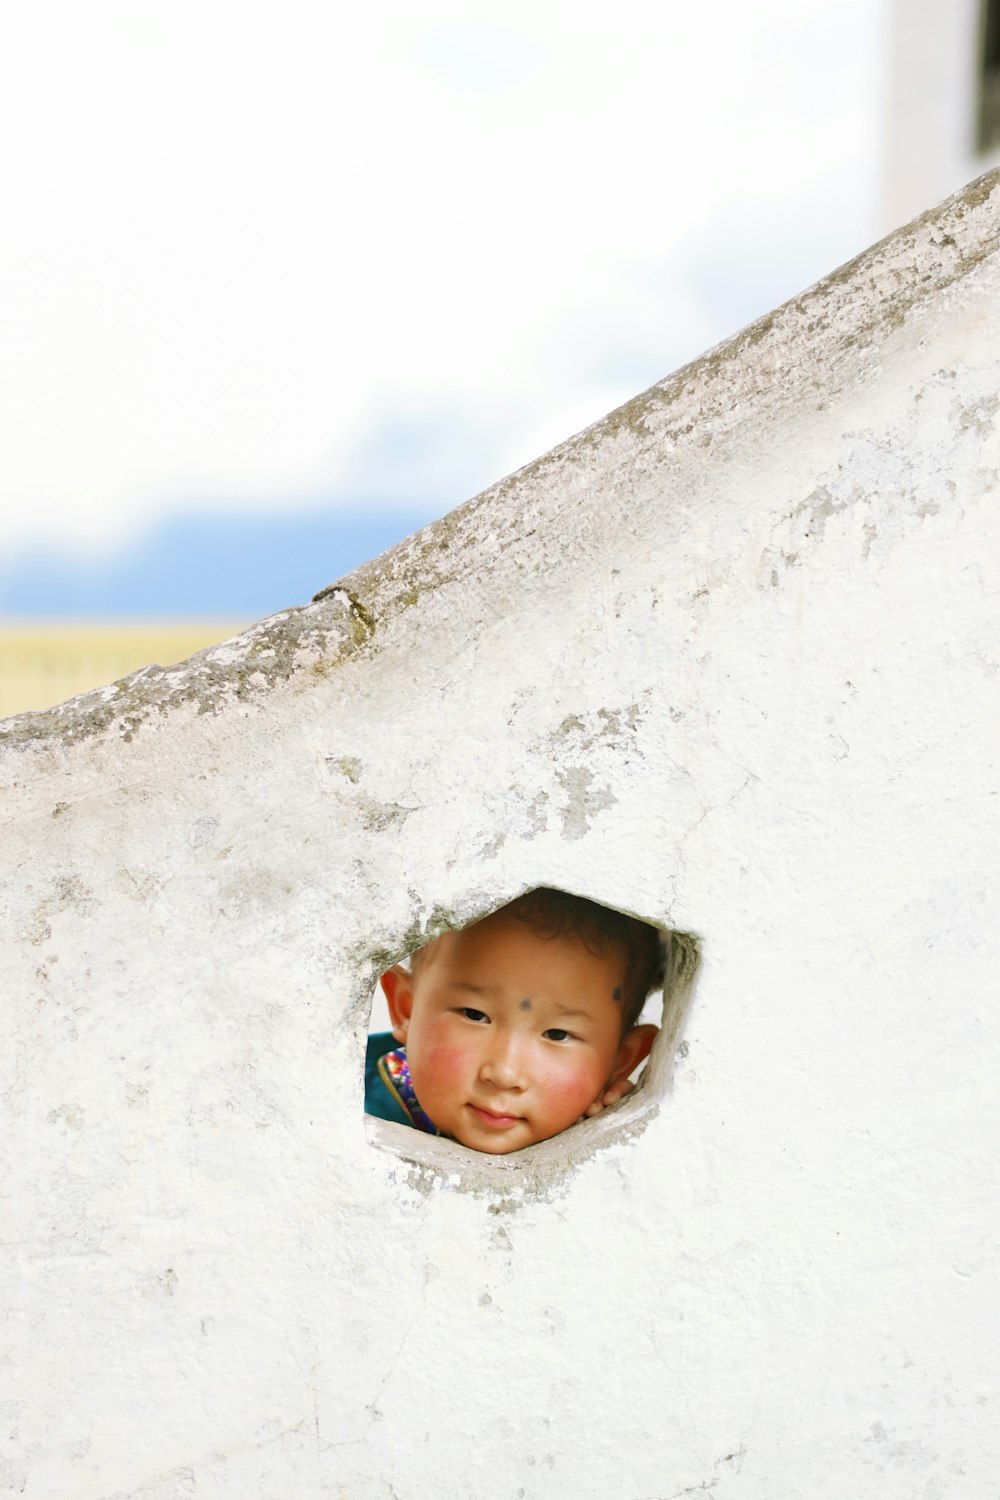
(551, 914)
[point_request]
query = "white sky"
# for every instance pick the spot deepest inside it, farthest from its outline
(263, 255)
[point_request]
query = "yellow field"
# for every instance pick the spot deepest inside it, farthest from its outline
(44, 664)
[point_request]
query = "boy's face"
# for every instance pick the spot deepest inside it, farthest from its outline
(511, 1036)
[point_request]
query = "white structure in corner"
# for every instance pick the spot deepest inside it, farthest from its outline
(943, 117)
(729, 660)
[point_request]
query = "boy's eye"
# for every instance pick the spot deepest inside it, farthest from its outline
(558, 1034)
(471, 1014)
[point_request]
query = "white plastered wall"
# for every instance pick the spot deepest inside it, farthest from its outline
(728, 660)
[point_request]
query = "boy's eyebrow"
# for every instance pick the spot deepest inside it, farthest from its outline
(467, 987)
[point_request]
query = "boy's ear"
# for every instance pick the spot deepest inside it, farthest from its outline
(397, 987)
(635, 1046)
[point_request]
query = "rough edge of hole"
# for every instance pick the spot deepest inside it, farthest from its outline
(539, 1169)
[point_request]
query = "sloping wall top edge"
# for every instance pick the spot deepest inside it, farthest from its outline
(829, 336)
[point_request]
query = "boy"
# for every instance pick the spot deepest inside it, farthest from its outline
(517, 1027)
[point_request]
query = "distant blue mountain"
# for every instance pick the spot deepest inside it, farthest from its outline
(203, 566)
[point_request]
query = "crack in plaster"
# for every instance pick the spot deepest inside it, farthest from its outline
(163, 1486)
(704, 1486)
(372, 1406)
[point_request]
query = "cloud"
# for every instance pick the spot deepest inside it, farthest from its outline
(255, 260)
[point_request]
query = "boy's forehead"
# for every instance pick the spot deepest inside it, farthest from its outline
(504, 932)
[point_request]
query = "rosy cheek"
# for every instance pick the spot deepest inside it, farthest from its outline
(569, 1089)
(439, 1067)
(444, 1060)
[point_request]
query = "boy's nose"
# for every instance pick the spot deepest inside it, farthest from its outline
(503, 1063)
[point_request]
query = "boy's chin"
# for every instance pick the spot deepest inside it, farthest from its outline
(496, 1148)
(503, 1143)
(488, 1143)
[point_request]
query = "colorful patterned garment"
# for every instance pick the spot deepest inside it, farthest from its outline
(395, 1071)
(389, 1088)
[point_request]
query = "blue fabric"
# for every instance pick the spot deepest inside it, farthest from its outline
(379, 1098)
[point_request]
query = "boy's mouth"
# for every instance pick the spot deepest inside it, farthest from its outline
(492, 1119)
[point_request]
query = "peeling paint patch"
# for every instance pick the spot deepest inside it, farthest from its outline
(980, 417)
(348, 766)
(886, 484)
(68, 893)
(585, 798)
(66, 1114)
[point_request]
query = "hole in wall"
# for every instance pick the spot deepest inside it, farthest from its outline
(528, 1036)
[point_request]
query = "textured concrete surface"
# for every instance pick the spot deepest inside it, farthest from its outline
(728, 660)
